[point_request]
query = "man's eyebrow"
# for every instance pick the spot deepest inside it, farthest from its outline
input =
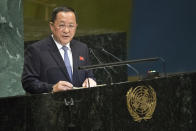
(62, 22)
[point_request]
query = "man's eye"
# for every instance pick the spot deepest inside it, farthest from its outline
(71, 25)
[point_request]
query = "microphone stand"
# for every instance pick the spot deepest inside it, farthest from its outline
(116, 63)
(122, 63)
(109, 75)
(131, 67)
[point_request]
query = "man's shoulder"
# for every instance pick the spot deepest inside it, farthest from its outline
(42, 42)
(40, 45)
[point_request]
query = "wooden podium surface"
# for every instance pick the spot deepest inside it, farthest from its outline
(160, 104)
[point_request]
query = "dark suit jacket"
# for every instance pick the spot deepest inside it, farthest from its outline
(44, 66)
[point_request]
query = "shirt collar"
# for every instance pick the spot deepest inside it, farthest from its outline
(59, 46)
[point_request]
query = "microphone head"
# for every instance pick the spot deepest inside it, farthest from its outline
(90, 50)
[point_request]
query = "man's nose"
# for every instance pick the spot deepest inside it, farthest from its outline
(66, 29)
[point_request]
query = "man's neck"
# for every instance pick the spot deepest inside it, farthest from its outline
(57, 42)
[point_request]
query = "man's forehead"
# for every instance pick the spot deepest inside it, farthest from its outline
(63, 13)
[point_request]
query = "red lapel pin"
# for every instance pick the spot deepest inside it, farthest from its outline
(81, 58)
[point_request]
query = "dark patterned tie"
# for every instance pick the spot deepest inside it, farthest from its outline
(67, 61)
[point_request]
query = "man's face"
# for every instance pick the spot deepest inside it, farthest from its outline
(64, 27)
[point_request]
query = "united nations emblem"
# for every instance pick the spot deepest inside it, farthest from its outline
(141, 102)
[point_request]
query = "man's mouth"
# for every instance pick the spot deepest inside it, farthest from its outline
(65, 36)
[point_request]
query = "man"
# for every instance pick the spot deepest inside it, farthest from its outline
(51, 65)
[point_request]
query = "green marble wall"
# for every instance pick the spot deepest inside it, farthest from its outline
(11, 47)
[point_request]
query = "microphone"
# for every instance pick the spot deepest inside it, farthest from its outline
(109, 75)
(128, 65)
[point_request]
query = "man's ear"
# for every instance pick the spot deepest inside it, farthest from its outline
(51, 26)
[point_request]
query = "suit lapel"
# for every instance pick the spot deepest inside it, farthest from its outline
(75, 60)
(57, 57)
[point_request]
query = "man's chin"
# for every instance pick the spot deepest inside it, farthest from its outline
(65, 41)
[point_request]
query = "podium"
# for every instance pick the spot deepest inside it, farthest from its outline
(106, 108)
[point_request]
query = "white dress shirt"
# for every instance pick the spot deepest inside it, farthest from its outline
(59, 46)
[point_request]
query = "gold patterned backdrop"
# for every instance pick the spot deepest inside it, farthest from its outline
(94, 16)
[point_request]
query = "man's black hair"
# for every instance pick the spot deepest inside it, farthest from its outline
(60, 9)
